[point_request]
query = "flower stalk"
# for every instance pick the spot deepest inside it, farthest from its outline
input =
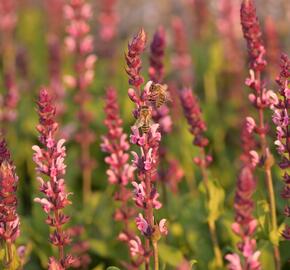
(49, 160)
(120, 174)
(79, 43)
(245, 224)
(145, 134)
(281, 121)
(9, 101)
(261, 98)
(9, 219)
(54, 41)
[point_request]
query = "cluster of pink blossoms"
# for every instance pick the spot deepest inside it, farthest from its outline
(281, 120)
(146, 163)
(182, 59)
(170, 172)
(79, 247)
(108, 20)
(9, 101)
(145, 194)
(115, 143)
(80, 43)
(156, 74)
(262, 99)
(50, 163)
(245, 224)
(133, 60)
(55, 19)
(9, 220)
(120, 174)
(197, 125)
(253, 35)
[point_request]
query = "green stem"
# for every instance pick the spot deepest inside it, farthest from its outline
(269, 181)
(8, 255)
(156, 258)
(86, 172)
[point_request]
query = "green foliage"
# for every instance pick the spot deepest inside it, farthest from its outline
(216, 200)
(170, 255)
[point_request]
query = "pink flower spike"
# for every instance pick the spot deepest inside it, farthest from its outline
(49, 159)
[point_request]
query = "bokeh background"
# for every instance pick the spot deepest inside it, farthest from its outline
(219, 67)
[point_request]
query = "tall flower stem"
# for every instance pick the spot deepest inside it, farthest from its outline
(145, 192)
(49, 159)
(9, 254)
(79, 43)
(268, 173)
(148, 210)
(120, 173)
(261, 98)
(245, 223)
(86, 172)
(156, 258)
(282, 142)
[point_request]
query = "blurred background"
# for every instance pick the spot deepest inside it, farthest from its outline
(211, 36)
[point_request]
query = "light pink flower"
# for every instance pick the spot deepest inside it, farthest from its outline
(142, 225)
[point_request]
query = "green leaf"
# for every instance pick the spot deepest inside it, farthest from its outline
(2, 254)
(113, 268)
(263, 210)
(267, 258)
(99, 247)
(170, 255)
(193, 262)
(216, 200)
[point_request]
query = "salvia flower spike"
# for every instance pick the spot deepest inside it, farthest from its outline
(9, 219)
(120, 174)
(9, 101)
(49, 159)
(245, 224)
(261, 98)
(170, 171)
(281, 120)
(133, 59)
(145, 134)
(79, 42)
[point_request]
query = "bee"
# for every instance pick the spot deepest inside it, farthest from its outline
(144, 120)
(159, 94)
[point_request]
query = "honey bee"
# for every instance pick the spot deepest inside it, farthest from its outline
(144, 120)
(159, 94)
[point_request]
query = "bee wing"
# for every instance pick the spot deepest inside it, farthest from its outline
(150, 122)
(168, 96)
(139, 122)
